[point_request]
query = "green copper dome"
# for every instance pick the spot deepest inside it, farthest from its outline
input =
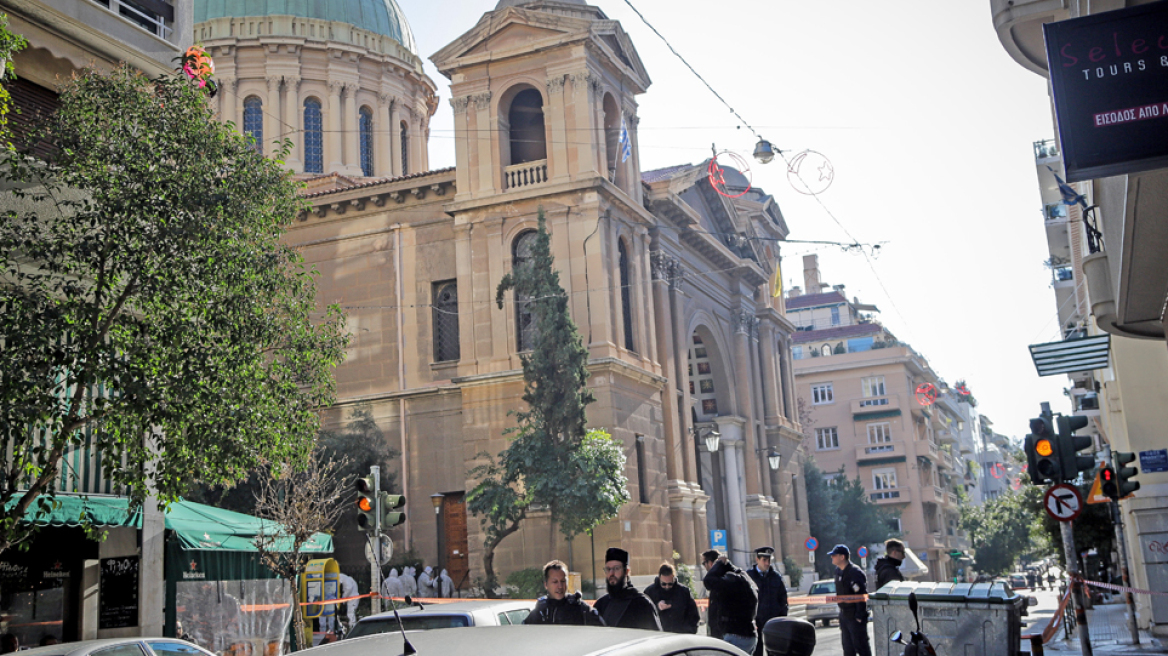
(381, 16)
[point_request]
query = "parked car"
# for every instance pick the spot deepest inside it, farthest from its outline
(823, 613)
(456, 614)
(121, 647)
(1018, 581)
(531, 641)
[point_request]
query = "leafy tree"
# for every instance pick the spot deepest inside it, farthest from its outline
(1003, 529)
(150, 311)
(10, 44)
(553, 461)
(840, 512)
(1094, 529)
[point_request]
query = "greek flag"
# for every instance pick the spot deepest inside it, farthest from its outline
(626, 146)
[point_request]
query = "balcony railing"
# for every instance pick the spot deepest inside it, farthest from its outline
(527, 174)
(140, 16)
(875, 404)
(1055, 213)
(893, 495)
(1045, 150)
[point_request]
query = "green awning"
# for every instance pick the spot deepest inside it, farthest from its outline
(880, 461)
(197, 526)
(879, 414)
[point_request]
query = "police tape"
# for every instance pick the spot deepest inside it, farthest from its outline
(1120, 588)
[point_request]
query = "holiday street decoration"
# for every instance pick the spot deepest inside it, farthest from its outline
(998, 470)
(717, 174)
(199, 66)
(962, 389)
(810, 173)
(926, 394)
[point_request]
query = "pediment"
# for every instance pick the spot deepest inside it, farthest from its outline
(513, 36)
(508, 28)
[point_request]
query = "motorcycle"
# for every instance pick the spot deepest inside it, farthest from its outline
(918, 643)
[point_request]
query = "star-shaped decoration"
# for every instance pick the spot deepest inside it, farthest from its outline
(194, 565)
(825, 171)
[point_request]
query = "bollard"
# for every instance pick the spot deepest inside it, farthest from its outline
(1036, 645)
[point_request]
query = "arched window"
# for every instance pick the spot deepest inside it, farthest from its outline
(253, 121)
(626, 294)
(525, 327)
(313, 137)
(446, 341)
(612, 125)
(365, 124)
(405, 148)
(528, 139)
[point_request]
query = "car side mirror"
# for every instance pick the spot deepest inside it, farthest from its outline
(897, 636)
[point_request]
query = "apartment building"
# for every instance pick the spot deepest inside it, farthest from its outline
(858, 386)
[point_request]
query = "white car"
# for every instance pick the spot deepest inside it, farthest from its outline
(121, 647)
(456, 614)
(822, 613)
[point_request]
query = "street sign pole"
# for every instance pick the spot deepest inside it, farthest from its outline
(375, 562)
(1076, 587)
(1128, 598)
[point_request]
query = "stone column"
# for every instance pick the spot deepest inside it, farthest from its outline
(352, 132)
(584, 133)
(744, 322)
(333, 152)
(661, 264)
(553, 115)
(228, 100)
(381, 164)
(786, 370)
(731, 429)
(681, 340)
(395, 145)
(293, 122)
(770, 392)
(271, 113)
(635, 190)
(483, 157)
(462, 144)
(417, 143)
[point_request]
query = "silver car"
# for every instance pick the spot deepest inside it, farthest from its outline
(532, 640)
(822, 613)
(456, 614)
(121, 647)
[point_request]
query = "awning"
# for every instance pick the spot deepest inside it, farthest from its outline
(1084, 354)
(912, 567)
(197, 526)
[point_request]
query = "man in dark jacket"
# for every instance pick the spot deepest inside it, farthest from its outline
(888, 565)
(675, 603)
(853, 614)
(624, 606)
(733, 601)
(559, 607)
(772, 592)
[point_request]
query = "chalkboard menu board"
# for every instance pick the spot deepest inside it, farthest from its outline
(118, 600)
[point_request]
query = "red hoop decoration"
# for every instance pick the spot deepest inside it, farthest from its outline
(717, 175)
(998, 470)
(962, 389)
(926, 394)
(810, 173)
(1016, 484)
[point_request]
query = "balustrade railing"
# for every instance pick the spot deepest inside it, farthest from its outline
(526, 174)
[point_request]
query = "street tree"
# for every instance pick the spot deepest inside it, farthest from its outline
(553, 461)
(840, 512)
(1004, 528)
(151, 313)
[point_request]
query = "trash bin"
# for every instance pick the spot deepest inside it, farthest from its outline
(958, 618)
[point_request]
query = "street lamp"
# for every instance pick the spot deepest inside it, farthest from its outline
(436, 499)
(772, 456)
(713, 438)
(764, 152)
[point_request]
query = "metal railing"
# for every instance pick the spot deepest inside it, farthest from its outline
(871, 402)
(884, 494)
(143, 18)
(1046, 149)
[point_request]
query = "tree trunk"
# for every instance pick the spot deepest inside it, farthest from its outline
(298, 620)
(489, 555)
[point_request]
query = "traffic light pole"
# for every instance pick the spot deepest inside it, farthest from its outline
(1129, 599)
(375, 544)
(1076, 587)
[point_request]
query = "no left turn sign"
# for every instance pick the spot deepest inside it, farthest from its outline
(1063, 502)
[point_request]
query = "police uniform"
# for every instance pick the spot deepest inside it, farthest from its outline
(772, 594)
(853, 615)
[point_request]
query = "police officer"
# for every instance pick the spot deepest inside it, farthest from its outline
(853, 615)
(559, 607)
(772, 592)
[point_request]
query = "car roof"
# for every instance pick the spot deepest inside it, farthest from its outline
(65, 648)
(468, 606)
(519, 640)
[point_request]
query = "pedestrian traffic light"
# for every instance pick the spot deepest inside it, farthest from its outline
(1123, 474)
(389, 503)
(366, 504)
(1069, 446)
(1042, 458)
(1107, 483)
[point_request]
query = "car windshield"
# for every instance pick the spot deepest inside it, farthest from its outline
(822, 588)
(425, 622)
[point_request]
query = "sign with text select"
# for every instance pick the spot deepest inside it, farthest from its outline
(1109, 72)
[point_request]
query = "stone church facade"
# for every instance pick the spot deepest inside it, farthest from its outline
(669, 284)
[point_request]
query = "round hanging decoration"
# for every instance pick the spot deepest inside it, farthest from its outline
(717, 173)
(998, 470)
(926, 394)
(1016, 484)
(810, 173)
(962, 389)
(199, 67)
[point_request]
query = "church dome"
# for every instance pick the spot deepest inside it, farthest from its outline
(383, 17)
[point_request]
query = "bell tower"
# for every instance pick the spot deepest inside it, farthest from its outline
(543, 91)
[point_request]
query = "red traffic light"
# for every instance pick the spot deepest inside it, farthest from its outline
(1107, 474)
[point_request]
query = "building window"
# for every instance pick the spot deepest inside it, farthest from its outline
(404, 137)
(525, 327)
(528, 137)
(365, 124)
(872, 386)
(445, 311)
(313, 137)
(835, 316)
(880, 433)
(894, 525)
(884, 479)
(797, 352)
(826, 439)
(253, 122)
(822, 393)
(641, 475)
(626, 294)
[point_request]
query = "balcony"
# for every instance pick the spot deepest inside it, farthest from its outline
(891, 496)
(954, 500)
(885, 450)
(1045, 151)
(936, 541)
(875, 404)
(929, 494)
(947, 436)
(146, 19)
(1055, 214)
(1063, 276)
(527, 174)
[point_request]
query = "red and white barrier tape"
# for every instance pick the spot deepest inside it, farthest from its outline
(1120, 588)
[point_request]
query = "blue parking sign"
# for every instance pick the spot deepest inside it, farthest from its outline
(718, 539)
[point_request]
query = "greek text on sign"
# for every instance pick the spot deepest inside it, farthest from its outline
(1063, 502)
(1155, 110)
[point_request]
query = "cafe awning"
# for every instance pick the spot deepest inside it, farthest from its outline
(198, 527)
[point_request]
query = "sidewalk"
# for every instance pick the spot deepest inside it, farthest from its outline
(1109, 635)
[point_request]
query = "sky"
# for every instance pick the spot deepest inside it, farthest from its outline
(928, 125)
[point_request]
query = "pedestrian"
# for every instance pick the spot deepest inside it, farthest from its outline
(733, 601)
(853, 614)
(426, 583)
(559, 607)
(888, 565)
(349, 589)
(1030, 579)
(675, 603)
(391, 587)
(772, 592)
(624, 606)
(445, 585)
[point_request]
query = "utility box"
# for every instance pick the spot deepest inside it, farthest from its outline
(958, 618)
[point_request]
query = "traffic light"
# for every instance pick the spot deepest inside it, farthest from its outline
(1042, 458)
(1124, 484)
(1069, 446)
(366, 504)
(390, 503)
(1108, 484)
